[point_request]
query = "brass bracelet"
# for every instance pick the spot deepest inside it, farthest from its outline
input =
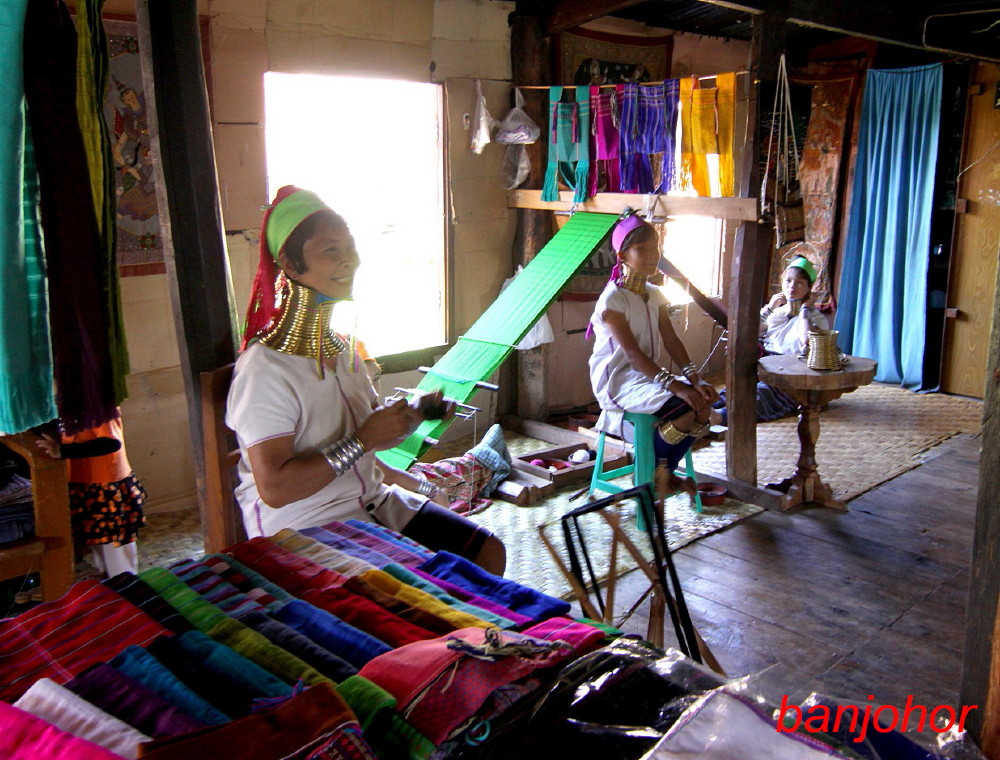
(664, 378)
(426, 488)
(689, 369)
(343, 454)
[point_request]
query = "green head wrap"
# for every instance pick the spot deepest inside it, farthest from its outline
(806, 266)
(287, 214)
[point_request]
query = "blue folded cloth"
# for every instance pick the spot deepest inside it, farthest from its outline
(332, 633)
(510, 594)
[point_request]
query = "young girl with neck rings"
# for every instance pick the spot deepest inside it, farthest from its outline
(632, 327)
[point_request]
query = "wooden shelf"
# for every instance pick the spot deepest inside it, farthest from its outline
(740, 209)
(50, 552)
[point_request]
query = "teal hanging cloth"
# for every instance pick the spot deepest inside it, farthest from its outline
(569, 149)
(26, 394)
(882, 309)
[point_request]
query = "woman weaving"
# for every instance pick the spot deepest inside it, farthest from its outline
(303, 406)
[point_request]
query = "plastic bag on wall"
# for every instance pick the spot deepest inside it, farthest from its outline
(517, 128)
(516, 166)
(482, 122)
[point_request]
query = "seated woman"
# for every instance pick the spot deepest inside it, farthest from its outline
(785, 324)
(304, 408)
(632, 326)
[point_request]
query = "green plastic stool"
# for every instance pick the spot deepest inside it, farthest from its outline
(643, 467)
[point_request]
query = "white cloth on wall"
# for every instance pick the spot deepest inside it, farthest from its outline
(617, 384)
(68, 712)
(275, 395)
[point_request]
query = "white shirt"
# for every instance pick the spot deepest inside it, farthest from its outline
(275, 395)
(618, 386)
(785, 334)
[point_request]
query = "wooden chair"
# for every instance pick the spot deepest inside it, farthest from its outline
(50, 551)
(221, 517)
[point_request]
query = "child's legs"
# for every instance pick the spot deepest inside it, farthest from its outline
(114, 560)
(683, 418)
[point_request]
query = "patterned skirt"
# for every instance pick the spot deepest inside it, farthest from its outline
(107, 513)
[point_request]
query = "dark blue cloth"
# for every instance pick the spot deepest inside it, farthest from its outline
(139, 665)
(326, 662)
(514, 596)
(331, 633)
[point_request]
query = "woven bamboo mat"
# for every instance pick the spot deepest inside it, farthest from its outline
(866, 437)
(529, 562)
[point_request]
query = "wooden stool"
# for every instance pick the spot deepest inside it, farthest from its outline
(643, 467)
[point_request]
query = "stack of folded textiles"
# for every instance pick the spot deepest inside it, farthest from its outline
(350, 642)
(342, 641)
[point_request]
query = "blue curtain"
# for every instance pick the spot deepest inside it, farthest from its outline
(883, 288)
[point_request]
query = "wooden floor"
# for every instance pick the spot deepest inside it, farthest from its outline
(867, 602)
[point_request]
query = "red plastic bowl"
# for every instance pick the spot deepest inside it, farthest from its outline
(712, 494)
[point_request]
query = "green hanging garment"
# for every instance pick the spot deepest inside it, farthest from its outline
(91, 83)
(26, 396)
(569, 149)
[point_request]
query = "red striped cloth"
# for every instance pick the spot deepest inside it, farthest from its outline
(89, 624)
(295, 574)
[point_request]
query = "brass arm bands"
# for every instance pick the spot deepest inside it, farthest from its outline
(426, 488)
(689, 369)
(664, 378)
(765, 312)
(344, 453)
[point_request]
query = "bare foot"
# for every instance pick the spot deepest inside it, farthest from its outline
(676, 483)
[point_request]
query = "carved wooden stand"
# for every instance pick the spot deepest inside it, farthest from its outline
(812, 389)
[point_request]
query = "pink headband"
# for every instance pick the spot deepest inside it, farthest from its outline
(623, 228)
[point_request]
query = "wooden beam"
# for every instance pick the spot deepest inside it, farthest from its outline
(567, 14)
(187, 193)
(529, 51)
(751, 261)
(981, 658)
(739, 209)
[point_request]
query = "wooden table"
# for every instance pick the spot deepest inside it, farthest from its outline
(811, 388)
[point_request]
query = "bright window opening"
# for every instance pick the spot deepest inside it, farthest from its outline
(693, 244)
(373, 150)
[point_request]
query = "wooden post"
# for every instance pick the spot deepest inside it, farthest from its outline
(751, 260)
(981, 658)
(529, 54)
(187, 193)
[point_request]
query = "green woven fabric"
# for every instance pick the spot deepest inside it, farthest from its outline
(26, 395)
(481, 351)
(388, 733)
(91, 81)
(201, 614)
(269, 656)
(209, 619)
